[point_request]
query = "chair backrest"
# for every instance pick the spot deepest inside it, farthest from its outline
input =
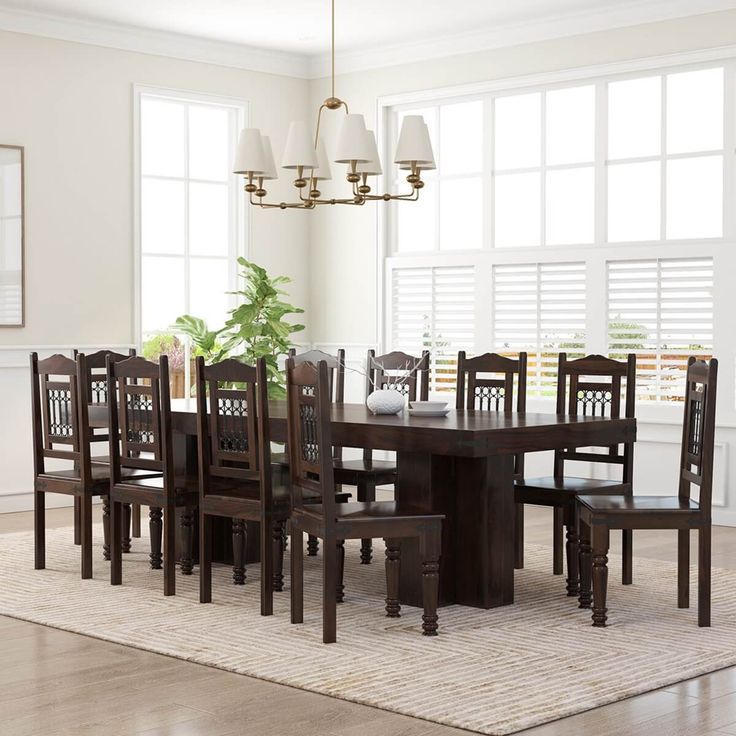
(232, 426)
(96, 374)
(698, 431)
(592, 386)
(139, 417)
(60, 420)
(477, 390)
(335, 369)
(398, 371)
(310, 434)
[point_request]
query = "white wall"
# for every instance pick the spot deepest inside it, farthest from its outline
(71, 106)
(344, 243)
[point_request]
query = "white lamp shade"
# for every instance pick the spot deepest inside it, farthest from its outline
(423, 165)
(414, 144)
(299, 148)
(249, 158)
(322, 172)
(373, 167)
(352, 143)
(270, 172)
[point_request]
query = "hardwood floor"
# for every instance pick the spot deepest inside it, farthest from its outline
(57, 683)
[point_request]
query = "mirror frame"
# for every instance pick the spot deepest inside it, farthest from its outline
(21, 149)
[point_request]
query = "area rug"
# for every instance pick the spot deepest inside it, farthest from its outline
(493, 672)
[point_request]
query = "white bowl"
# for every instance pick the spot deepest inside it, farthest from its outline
(428, 405)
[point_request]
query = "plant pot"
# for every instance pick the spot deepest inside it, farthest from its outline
(386, 401)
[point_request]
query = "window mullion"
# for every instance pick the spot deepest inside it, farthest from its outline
(601, 167)
(543, 171)
(663, 165)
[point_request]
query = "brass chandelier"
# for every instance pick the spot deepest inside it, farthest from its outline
(356, 147)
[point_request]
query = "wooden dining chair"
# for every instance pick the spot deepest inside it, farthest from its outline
(599, 514)
(95, 384)
(312, 471)
(235, 478)
(487, 383)
(61, 432)
(589, 386)
(396, 371)
(141, 439)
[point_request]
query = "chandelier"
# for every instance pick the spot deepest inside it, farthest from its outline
(355, 146)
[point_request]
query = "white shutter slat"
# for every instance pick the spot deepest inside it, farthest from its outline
(662, 310)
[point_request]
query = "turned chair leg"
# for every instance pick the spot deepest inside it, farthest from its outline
(429, 551)
(600, 574)
(297, 576)
(272, 549)
(126, 528)
(558, 526)
(312, 545)
(239, 540)
(39, 530)
(136, 523)
(683, 568)
(205, 558)
(340, 587)
(278, 555)
(366, 494)
(170, 549)
(393, 568)
(155, 526)
(106, 528)
(704, 570)
(85, 528)
(116, 543)
(187, 541)
(77, 520)
(519, 537)
(571, 549)
(329, 591)
(585, 563)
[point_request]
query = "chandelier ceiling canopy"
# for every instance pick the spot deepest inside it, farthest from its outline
(355, 146)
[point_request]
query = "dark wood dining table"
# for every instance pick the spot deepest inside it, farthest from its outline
(460, 465)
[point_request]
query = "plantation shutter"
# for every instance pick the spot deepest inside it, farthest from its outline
(662, 310)
(433, 309)
(539, 308)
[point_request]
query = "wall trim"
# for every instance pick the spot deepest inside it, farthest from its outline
(17, 356)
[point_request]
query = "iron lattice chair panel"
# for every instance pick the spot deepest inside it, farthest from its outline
(489, 395)
(140, 415)
(60, 413)
(232, 427)
(594, 399)
(402, 384)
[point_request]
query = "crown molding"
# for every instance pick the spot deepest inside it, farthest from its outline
(572, 24)
(158, 43)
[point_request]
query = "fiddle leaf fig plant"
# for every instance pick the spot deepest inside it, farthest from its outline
(257, 328)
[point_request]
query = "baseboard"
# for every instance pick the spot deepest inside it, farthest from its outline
(12, 503)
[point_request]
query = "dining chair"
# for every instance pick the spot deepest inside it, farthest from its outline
(486, 383)
(589, 386)
(235, 479)
(139, 420)
(61, 432)
(312, 471)
(599, 514)
(95, 383)
(396, 371)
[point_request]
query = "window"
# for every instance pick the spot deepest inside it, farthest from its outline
(434, 309)
(581, 190)
(539, 308)
(190, 234)
(662, 310)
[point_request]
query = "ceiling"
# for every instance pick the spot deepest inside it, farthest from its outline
(301, 27)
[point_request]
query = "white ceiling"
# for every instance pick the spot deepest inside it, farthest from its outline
(301, 27)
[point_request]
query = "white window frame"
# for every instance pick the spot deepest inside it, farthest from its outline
(596, 256)
(239, 226)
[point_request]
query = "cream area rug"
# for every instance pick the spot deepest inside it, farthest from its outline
(494, 672)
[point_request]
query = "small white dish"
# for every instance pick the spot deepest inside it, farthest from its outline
(429, 412)
(428, 405)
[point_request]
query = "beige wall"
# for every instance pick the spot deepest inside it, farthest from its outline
(70, 105)
(343, 245)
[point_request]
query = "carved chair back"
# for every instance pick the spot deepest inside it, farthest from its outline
(60, 419)
(139, 417)
(398, 371)
(593, 386)
(232, 427)
(479, 391)
(698, 432)
(310, 435)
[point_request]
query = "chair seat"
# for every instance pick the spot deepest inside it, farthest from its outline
(366, 466)
(100, 474)
(570, 485)
(182, 485)
(638, 504)
(373, 510)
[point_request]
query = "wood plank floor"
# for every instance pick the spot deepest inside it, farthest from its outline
(55, 682)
